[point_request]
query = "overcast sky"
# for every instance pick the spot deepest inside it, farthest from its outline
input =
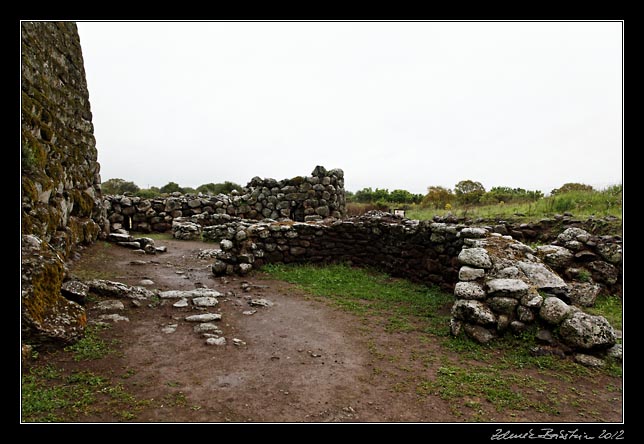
(395, 105)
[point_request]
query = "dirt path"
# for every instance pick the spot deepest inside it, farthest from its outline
(303, 360)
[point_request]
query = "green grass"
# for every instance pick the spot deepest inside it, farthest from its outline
(610, 307)
(365, 291)
(48, 396)
(580, 203)
(155, 236)
(91, 346)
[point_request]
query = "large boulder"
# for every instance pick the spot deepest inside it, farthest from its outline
(47, 316)
(585, 331)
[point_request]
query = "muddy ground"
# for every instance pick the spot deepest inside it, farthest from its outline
(304, 360)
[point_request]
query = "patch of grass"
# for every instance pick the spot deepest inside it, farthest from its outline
(581, 203)
(155, 236)
(47, 396)
(361, 290)
(90, 347)
(610, 307)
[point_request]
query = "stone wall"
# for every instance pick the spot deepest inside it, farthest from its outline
(504, 286)
(499, 283)
(60, 194)
(422, 251)
(308, 198)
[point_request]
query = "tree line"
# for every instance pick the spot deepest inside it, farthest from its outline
(465, 193)
(121, 186)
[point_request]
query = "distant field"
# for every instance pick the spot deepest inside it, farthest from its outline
(581, 204)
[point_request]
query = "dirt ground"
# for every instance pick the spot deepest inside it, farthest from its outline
(304, 360)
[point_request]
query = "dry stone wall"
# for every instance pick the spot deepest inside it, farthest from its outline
(500, 284)
(60, 195)
(315, 197)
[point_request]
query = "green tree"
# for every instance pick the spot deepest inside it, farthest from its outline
(206, 188)
(571, 186)
(401, 196)
(469, 192)
(438, 197)
(148, 193)
(171, 187)
(118, 186)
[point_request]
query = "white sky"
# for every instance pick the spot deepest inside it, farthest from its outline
(395, 105)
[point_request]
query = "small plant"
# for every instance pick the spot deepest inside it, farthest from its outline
(583, 275)
(91, 346)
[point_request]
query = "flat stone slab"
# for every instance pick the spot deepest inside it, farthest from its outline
(206, 317)
(196, 293)
(260, 303)
(205, 301)
(170, 328)
(113, 317)
(183, 302)
(119, 290)
(206, 327)
(110, 304)
(216, 341)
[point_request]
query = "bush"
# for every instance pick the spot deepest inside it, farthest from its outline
(118, 186)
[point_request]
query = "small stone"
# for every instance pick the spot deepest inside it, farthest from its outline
(238, 342)
(517, 326)
(468, 290)
(502, 304)
(138, 262)
(615, 352)
(183, 302)
(110, 305)
(205, 327)
(525, 314)
(475, 257)
(146, 282)
(455, 327)
(249, 312)
(473, 232)
(113, 317)
(136, 303)
(261, 303)
(480, 334)
(161, 249)
(545, 336)
(206, 317)
(245, 268)
(75, 291)
(508, 273)
(226, 244)
(216, 341)
(469, 274)
(205, 301)
(508, 287)
(473, 311)
(170, 328)
(588, 360)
